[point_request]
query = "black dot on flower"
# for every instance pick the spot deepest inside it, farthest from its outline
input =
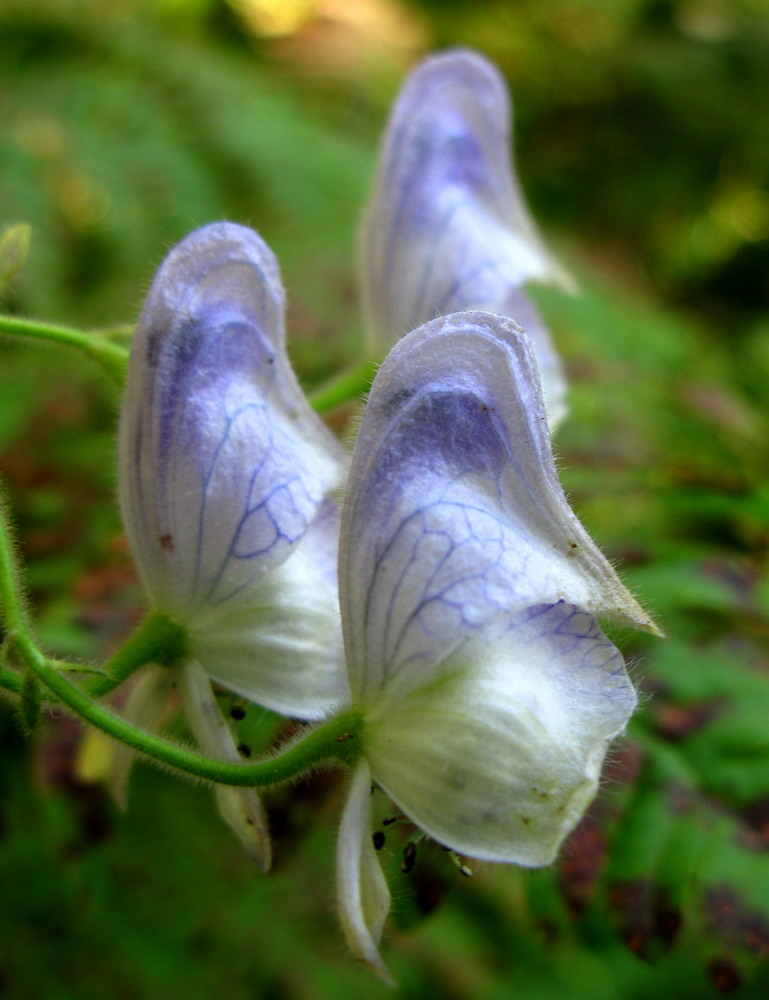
(409, 858)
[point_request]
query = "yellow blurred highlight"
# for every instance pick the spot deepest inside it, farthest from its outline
(93, 760)
(39, 135)
(706, 20)
(370, 17)
(81, 202)
(335, 32)
(14, 249)
(275, 18)
(588, 29)
(736, 215)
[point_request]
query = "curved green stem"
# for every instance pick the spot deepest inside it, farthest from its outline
(338, 738)
(113, 358)
(11, 680)
(157, 640)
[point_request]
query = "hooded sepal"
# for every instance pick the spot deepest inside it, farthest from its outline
(447, 227)
(223, 465)
(283, 648)
(454, 514)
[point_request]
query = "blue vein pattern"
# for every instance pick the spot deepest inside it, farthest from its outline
(447, 228)
(228, 466)
(455, 518)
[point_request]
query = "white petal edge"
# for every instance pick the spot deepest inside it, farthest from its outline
(283, 649)
(362, 894)
(500, 758)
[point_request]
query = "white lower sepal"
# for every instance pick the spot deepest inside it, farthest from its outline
(499, 755)
(240, 808)
(282, 648)
(362, 893)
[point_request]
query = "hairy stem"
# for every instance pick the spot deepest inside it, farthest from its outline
(339, 738)
(110, 356)
(157, 640)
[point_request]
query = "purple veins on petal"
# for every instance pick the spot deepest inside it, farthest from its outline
(454, 514)
(447, 228)
(223, 464)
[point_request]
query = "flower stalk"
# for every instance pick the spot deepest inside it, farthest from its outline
(157, 640)
(337, 739)
(111, 357)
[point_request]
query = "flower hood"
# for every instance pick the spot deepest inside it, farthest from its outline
(447, 227)
(225, 476)
(469, 592)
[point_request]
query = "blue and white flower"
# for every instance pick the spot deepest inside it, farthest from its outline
(226, 476)
(469, 592)
(447, 227)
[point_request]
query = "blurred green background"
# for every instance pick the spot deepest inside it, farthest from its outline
(641, 141)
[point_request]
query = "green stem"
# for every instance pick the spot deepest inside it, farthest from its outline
(110, 356)
(338, 738)
(11, 680)
(157, 640)
(343, 387)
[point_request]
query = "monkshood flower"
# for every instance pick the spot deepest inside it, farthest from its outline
(469, 592)
(447, 227)
(225, 476)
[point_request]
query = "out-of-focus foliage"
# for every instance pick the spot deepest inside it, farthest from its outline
(644, 126)
(677, 481)
(641, 140)
(121, 135)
